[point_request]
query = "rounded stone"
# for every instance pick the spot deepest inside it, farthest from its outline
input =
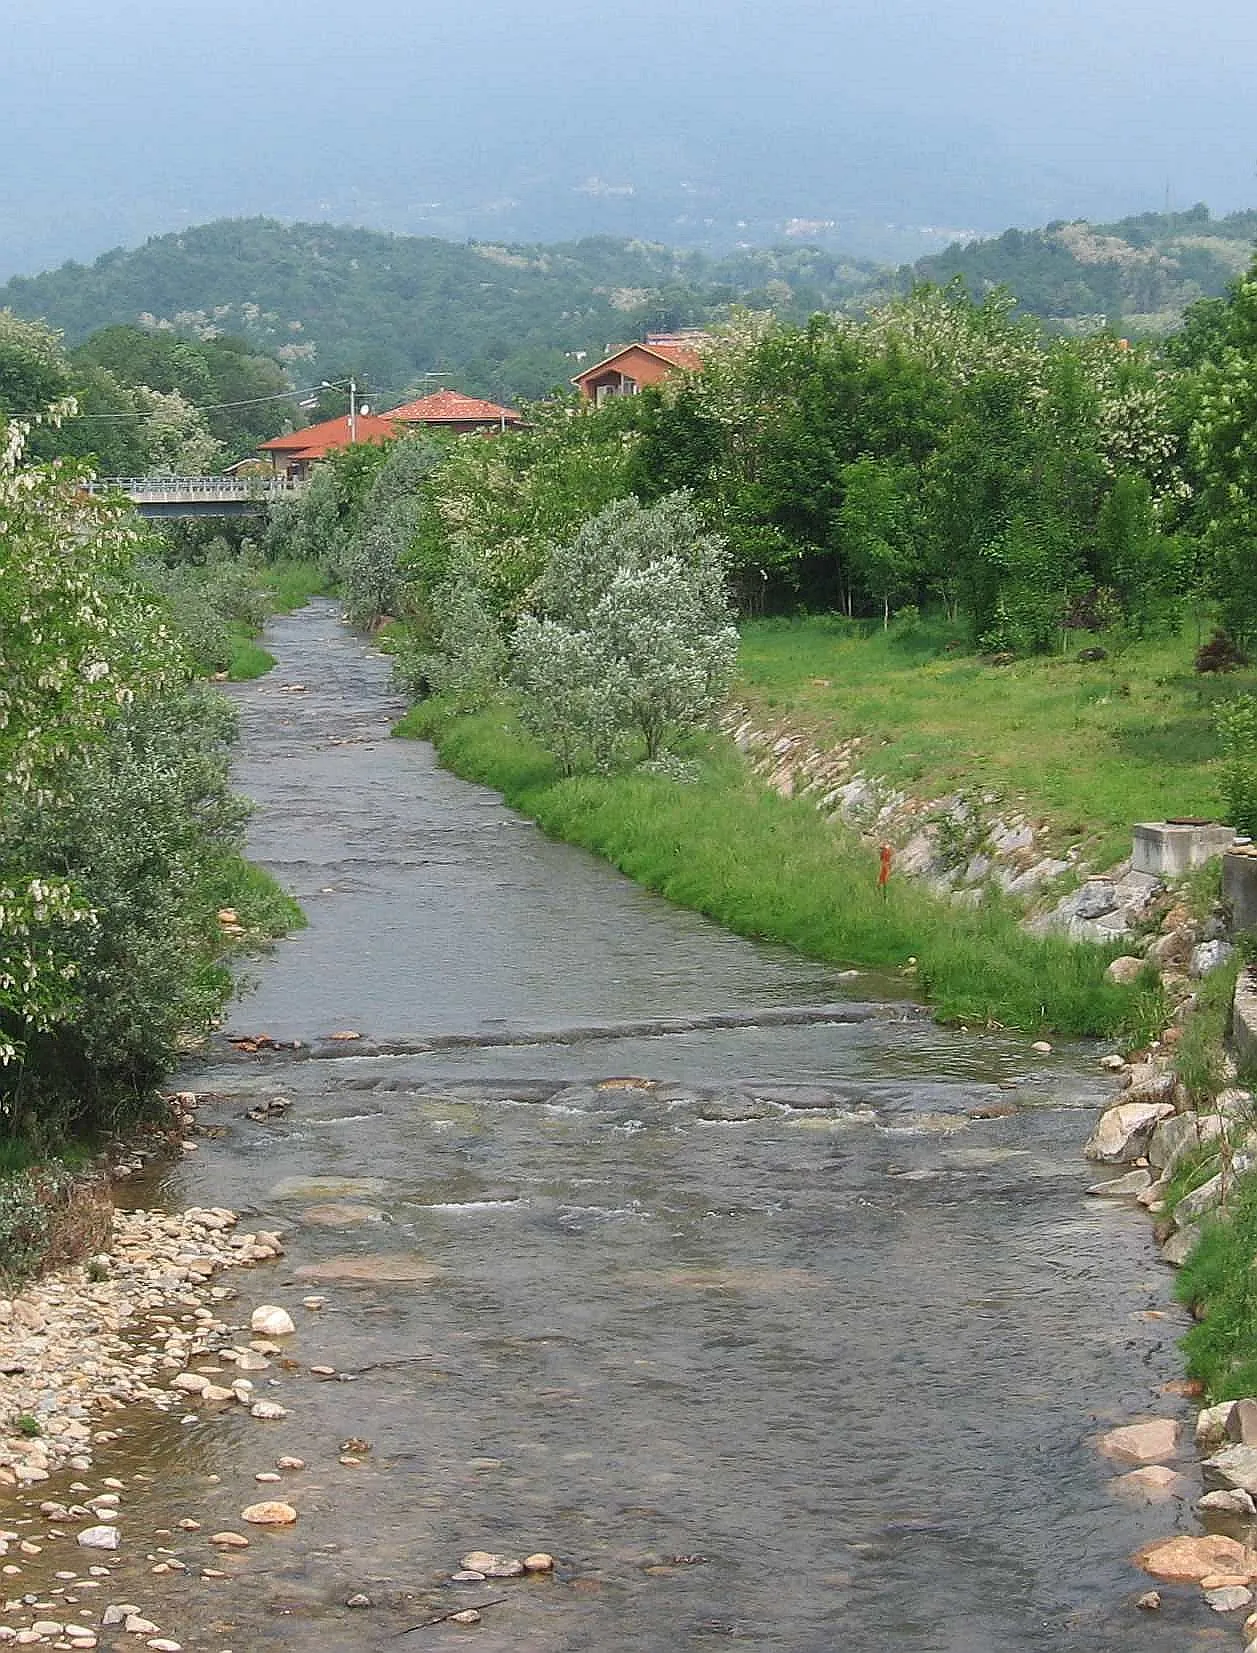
(271, 1513)
(269, 1320)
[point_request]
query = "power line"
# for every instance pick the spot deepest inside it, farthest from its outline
(208, 407)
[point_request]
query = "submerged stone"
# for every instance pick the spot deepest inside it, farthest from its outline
(1142, 1443)
(327, 1188)
(381, 1269)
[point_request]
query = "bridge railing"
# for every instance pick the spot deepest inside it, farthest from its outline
(194, 487)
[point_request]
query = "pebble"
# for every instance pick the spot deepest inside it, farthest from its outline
(230, 1540)
(1229, 1598)
(287, 1462)
(1042, 1047)
(358, 1600)
(269, 1410)
(539, 1563)
(492, 1566)
(469, 1615)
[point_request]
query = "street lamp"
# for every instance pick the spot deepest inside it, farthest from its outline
(353, 404)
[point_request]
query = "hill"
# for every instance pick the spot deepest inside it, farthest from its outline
(502, 321)
(1142, 272)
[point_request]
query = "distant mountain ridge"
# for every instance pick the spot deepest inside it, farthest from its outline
(1141, 272)
(509, 322)
(501, 321)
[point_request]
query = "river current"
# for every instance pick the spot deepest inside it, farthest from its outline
(791, 1332)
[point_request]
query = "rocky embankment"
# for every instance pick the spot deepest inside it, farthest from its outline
(1147, 1136)
(960, 843)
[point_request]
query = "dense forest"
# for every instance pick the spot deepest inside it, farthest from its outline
(504, 322)
(511, 322)
(1141, 272)
(935, 452)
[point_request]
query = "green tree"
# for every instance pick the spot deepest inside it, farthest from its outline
(878, 530)
(634, 636)
(1224, 444)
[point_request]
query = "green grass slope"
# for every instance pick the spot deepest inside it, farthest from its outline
(1089, 747)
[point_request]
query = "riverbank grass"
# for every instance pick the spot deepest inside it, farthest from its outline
(1088, 746)
(772, 868)
(286, 584)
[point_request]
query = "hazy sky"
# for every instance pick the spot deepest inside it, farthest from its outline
(134, 116)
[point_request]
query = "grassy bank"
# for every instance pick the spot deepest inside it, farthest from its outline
(771, 868)
(285, 585)
(1088, 746)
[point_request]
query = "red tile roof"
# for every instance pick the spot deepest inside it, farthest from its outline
(677, 354)
(316, 440)
(451, 407)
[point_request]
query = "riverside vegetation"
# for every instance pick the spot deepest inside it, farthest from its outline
(1032, 554)
(939, 458)
(124, 893)
(990, 498)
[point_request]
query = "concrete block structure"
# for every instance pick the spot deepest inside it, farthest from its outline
(1171, 849)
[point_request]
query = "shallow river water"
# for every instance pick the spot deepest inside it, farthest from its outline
(781, 1344)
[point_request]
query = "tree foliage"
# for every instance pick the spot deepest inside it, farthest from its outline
(114, 811)
(633, 636)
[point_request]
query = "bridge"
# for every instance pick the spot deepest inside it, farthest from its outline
(197, 496)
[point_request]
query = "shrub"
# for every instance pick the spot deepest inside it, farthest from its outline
(50, 1215)
(1237, 727)
(1220, 654)
(143, 819)
(635, 637)
(468, 660)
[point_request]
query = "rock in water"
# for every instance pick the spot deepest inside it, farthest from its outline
(1153, 1484)
(1232, 1469)
(1142, 1443)
(269, 1514)
(99, 1538)
(1187, 1560)
(1123, 1131)
(270, 1321)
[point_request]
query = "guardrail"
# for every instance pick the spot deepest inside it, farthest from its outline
(193, 487)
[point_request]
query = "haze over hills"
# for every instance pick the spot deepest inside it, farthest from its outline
(878, 127)
(1140, 272)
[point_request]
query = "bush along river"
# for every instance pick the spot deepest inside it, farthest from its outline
(772, 1313)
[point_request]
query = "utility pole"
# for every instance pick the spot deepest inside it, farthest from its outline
(353, 409)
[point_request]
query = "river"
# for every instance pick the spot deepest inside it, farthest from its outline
(793, 1333)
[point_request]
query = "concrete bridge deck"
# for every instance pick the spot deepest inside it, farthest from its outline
(197, 496)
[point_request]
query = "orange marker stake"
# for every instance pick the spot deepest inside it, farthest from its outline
(883, 871)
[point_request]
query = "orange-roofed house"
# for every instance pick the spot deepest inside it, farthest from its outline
(451, 410)
(634, 367)
(296, 453)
